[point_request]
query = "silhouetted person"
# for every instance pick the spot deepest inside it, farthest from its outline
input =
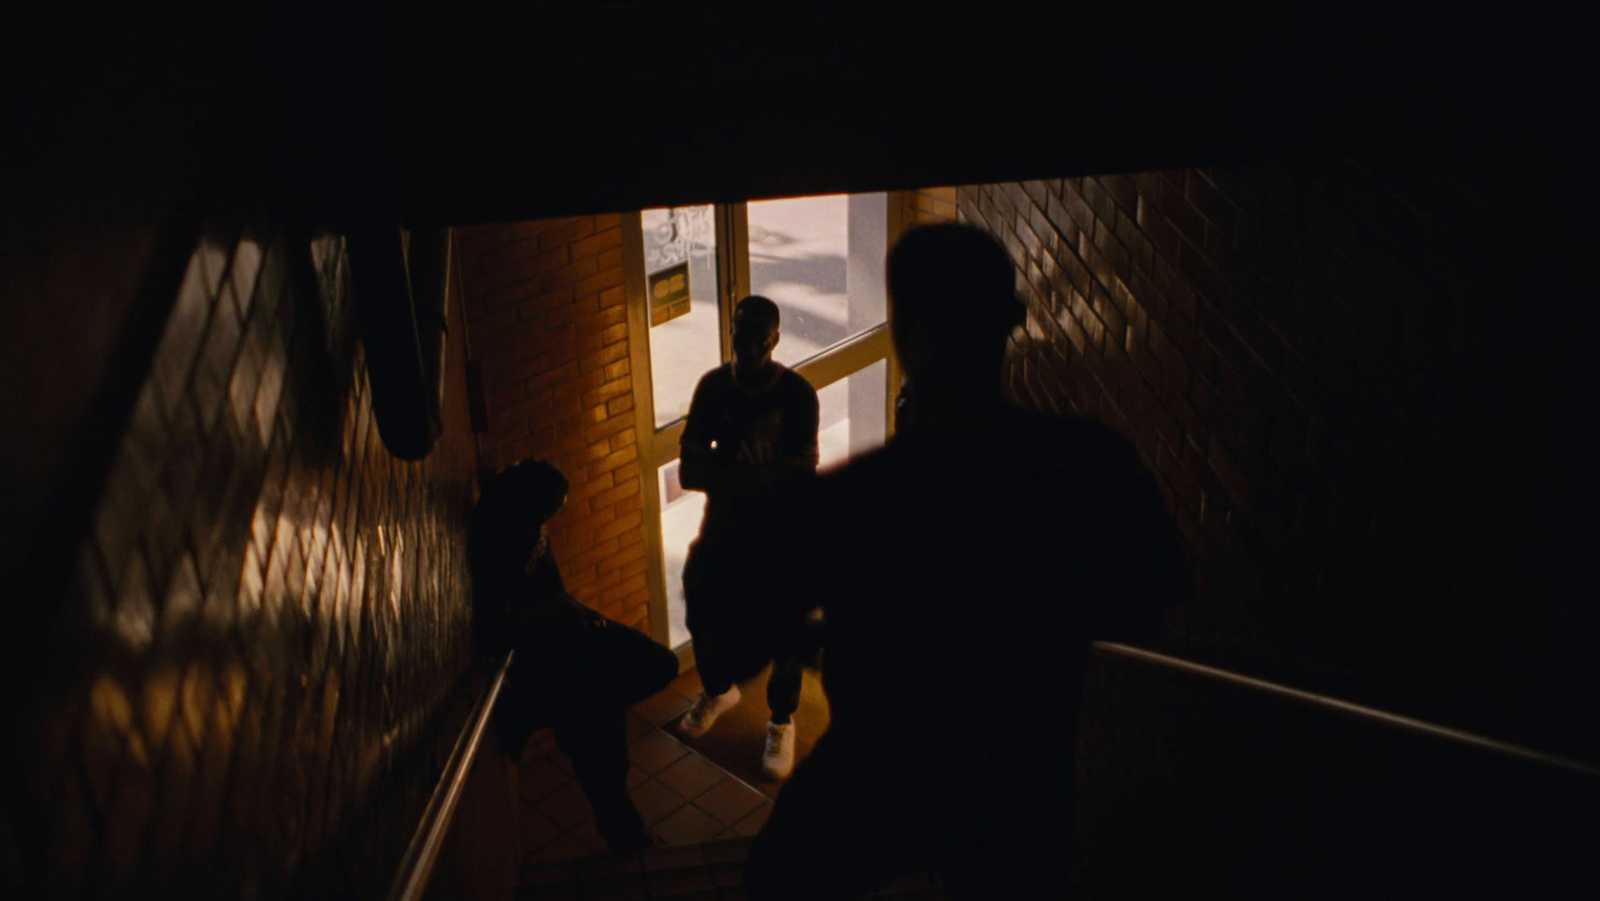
(752, 430)
(963, 569)
(575, 669)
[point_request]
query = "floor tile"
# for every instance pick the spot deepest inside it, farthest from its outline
(674, 857)
(655, 801)
(663, 707)
(587, 835)
(566, 806)
(540, 744)
(556, 822)
(729, 800)
(687, 684)
(688, 825)
(735, 742)
(560, 761)
(691, 775)
(535, 831)
(537, 778)
(654, 752)
(635, 725)
(753, 822)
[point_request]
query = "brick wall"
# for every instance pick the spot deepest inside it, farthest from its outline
(547, 317)
(930, 205)
(246, 685)
(1307, 355)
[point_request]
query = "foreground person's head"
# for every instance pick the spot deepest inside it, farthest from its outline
(954, 305)
(508, 524)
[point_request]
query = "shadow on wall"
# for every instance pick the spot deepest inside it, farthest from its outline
(269, 616)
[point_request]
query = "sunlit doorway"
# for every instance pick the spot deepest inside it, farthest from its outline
(821, 260)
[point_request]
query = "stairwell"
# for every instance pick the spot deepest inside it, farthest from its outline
(712, 871)
(1194, 778)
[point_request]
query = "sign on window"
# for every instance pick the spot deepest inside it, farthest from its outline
(669, 293)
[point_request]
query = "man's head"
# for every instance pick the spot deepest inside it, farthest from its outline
(955, 303)
(755, 331)
(510, 516)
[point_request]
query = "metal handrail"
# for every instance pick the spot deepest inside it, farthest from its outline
(1383, 716)
(417, 865)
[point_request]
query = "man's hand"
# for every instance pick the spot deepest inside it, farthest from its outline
(699, 468)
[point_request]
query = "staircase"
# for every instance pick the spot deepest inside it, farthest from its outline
(713, 871)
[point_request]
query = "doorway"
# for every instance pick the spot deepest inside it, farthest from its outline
(820, 259)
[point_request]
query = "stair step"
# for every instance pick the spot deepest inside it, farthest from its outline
(713, 871)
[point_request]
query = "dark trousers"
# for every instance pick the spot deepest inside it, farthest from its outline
(735, 633)
(580, 688)
(857, 814)
(719, 671)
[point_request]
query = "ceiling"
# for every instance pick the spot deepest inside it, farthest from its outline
(472, 112)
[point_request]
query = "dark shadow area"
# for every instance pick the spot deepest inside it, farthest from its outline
(952, 618)
(1272, 795)
(240, 639)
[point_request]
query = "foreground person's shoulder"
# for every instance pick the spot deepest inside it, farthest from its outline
(863, 467)
(1084, 434)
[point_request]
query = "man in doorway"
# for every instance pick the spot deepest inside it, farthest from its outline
(969, 564)
(752, 432)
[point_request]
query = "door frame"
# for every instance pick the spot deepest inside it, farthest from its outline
(658, 447)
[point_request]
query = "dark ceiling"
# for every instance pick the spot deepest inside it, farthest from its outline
(473, 113)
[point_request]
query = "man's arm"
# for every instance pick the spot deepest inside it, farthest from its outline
(699, 468)
(800, 451)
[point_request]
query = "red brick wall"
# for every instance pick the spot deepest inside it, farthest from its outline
(1309, 358)
(929, 205)
(547, 322)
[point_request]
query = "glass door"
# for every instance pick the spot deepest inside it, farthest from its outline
(820, 259)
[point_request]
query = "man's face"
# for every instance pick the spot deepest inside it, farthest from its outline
(537, 538)
(753, 339)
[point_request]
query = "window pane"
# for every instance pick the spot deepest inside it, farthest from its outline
(685, 338)
(821, 260)
(853, 414)
(680, 523)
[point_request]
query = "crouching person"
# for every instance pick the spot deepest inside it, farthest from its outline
(575, 670)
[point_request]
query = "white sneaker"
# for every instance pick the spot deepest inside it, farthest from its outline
(777, 758)
(705, 711)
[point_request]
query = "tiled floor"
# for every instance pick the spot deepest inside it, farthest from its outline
(735, 743)
(684, 797)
